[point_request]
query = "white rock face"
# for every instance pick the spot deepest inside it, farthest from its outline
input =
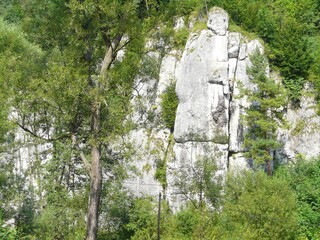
(150, 147)
(203, 89)
(179, 23)
(238, 163)
(151, 139)
(303, 136)
(208, 119)
(218, 21)
(167, 75)
(234, 44)
(202, 75)
(186, 156)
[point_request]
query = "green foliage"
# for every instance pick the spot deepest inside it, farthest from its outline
(65, 211)
(287, 26)
(186, 224)
(185, 7)
(187, 220)
(161, 164)
(116, 203)
(199, 26)
(11, 10)
(54, 87)
(243, 12)
(180, 37)
(292, 56)
(266, 24)
(257, 207)
(304, 179)
(43, 19)
(169, 106)
(199, 184)
(16, 74)
(295, 87)
(176, 39)
(49, 73)
(7, 232)
(315, 68)
(143, 220)
(264, 116)
(189, 223)
(161, 172)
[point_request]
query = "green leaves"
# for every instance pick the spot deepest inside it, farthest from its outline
(7, 232)
(20, 64)
(143, 220)
(264, 115)
(304, 178)
(258, 207)
(169, 106)
(287, 27)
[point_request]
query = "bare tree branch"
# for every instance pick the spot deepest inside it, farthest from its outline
(24, 128)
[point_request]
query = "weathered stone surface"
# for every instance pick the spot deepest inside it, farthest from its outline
(235, 127)
(150, 139)
(166, 76)
(218, 21)
(232, 70)
(219, 75)
(238, 163)
(303, 136)
(253, 46)
(203, 71)
(200, 125)
(150, 147)
(234, 44)
(186, 157)
(242, 51)
(179, 23)
(143, 98)
(238, 105)
(188, 153)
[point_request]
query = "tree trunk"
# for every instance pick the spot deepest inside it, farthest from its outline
(95, 175)
(95, 168)
(269, 167)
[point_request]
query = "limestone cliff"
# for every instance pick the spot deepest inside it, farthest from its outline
(207, 74)
(208, 116)
(208, 119)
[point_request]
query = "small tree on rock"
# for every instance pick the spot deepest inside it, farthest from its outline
(265, 115)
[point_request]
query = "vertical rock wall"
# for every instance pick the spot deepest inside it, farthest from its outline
(208, 116)
(302, 137)
(150, 140)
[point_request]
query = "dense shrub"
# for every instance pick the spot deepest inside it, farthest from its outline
(169, 106)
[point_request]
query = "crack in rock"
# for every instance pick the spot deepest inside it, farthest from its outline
(219, 115)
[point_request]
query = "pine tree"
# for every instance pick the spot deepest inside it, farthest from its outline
(264, 116)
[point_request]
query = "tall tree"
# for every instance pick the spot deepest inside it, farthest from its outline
(264, 116)
(81, 91)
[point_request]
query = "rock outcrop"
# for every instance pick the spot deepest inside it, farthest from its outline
(208, 74)
(208, 116)
(303, 135)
